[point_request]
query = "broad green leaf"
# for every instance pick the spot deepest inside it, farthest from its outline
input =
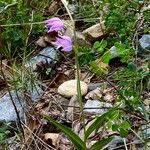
(96, 45)
(98, 67)
(120, 47)
(99, 121)
(132, 67)
(100, 144)
(78, 143)
(100, 46)
(106, 57)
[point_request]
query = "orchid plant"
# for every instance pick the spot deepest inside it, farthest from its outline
(64, 42)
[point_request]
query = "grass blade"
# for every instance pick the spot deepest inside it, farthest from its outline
(100, 144)
(78, 143)
(98, 122)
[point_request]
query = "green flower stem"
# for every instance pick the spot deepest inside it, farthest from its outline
(78, 67)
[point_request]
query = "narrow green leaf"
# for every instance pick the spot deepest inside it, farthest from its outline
(78, 143)
(98, 122)
(100, 144)
(123, 132)
(125, 125)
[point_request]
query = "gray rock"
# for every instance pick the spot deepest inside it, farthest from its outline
(7, 111)
(117, 140)
(144, 131)
(145, 41)
(93, 86)
(36, 92)
(47, 55)
(95, 106)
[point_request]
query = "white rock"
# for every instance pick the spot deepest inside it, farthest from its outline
(95, 106)
(69, 88)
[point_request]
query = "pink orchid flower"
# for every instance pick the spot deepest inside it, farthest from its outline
(64, 42)
(54, 24)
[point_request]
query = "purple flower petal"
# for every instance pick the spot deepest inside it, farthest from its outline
(54, 24)
(65, 42)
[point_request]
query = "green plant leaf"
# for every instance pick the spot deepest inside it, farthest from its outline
(100, 144)
(123, 132)
(106, 57)
(125, 125)
(78, 143)
(98, 67)
(132, 67)
(99, 121)
(100, 46)
(96, 44)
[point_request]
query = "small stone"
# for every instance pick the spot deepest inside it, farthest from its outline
(93, 86)
(95, 106)
(94, 33)
(145, 41)
(69, 88)
(114, 52)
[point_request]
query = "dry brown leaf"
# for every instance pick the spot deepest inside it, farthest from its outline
(108, 98)
(71, 110)
(133, 147)
(102, 65)
(147, 102)
(95, 94)
(41, 42)
(65, 144)
(55, 137)
(50, 37)
(53, 8)
(86, 76)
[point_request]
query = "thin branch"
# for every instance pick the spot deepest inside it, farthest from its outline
(42, 22)
(31, 27)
